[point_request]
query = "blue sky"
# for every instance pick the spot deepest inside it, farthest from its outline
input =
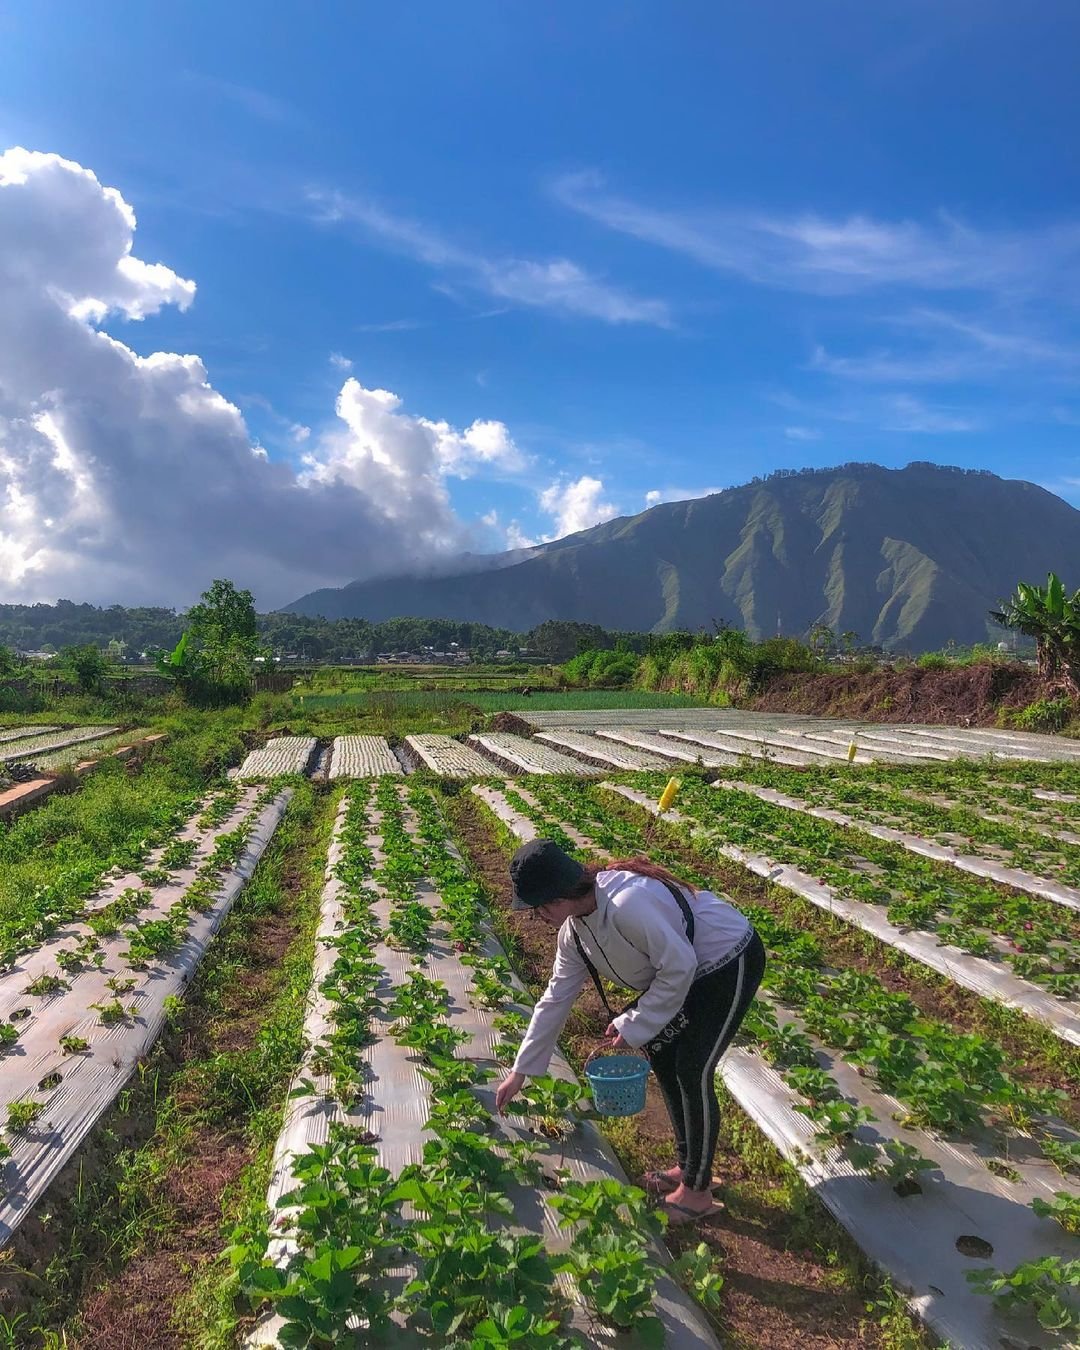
(667, 246)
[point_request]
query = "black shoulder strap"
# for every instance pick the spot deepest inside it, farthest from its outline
(688, 919)
(687, 912)
(592, 969)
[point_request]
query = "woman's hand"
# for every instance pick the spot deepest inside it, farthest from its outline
(507, 1090)
(612, 1034)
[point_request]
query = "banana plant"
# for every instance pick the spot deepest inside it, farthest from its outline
(1051, 616)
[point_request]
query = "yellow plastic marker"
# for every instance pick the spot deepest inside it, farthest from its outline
(668, 794)
(851, 752)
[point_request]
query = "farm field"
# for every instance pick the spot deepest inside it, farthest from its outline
(40, 743)
(444, 756)
(903, 1105)
(84, 1006)
(362, 757)
(280, 755)
(520, 754)
(464, 692)
(835, 1048)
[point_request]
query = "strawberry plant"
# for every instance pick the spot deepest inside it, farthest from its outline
(492, 983)
(112, 1012)
(698, 1274)
(598, 1207)
(788, 1046)
(22, 1114)
(467, 1270)
(418, 998)
(73, 1045)
(8, 1035)
(45, 985)
(178, 854)
(837, 1120)
(1063, 1153)
(410, 926)
(433, 1040)
(553, 1102)
(514, 1326)
(616, 1277)
(1064, 1207)
(815, 1084)
(1046, 1288)
(902, 1169)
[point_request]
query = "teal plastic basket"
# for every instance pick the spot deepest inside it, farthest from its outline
(617, 1083)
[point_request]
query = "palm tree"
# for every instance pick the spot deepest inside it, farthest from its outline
(1052, 617)
(822, 639)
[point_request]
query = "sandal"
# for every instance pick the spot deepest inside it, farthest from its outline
(679, 1214)
(659, 1183)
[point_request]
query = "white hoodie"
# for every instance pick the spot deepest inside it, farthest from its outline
(635, 937)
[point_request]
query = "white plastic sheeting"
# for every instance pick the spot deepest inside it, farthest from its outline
(739, 749)
(668, 748)
(445, 756)
(915, 1239)
(23, 733)
(987, 978)
(281, 755)
(914, 843)
(362, 757)
(395, 1108)
(607, 754)
(87, 1083)
(57, 740)
(900, 741)
(521, 754)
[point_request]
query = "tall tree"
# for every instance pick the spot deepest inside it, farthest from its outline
(224, 633)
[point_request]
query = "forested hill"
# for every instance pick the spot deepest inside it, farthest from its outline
(906, 558)
(65, 624)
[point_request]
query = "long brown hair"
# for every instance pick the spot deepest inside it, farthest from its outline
(642, 866)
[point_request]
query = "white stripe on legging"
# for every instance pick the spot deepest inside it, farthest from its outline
(710, 1068)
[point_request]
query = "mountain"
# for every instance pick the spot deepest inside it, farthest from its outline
(907, 558)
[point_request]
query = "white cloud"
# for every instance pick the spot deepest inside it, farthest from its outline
(575, 506)
(810, 252)
(556, 284)
(340, 362)
(259, 104)
(390, 326)
(951, 349)
(517, 538)
(131, 478)
(904, 413)
(677, 494)
(513, 537)
(802, 434)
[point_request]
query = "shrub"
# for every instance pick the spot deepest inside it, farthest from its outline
(1045, 714)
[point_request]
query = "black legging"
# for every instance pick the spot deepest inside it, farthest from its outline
(685, 1067)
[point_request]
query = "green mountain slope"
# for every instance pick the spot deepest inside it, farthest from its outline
(906, 558)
